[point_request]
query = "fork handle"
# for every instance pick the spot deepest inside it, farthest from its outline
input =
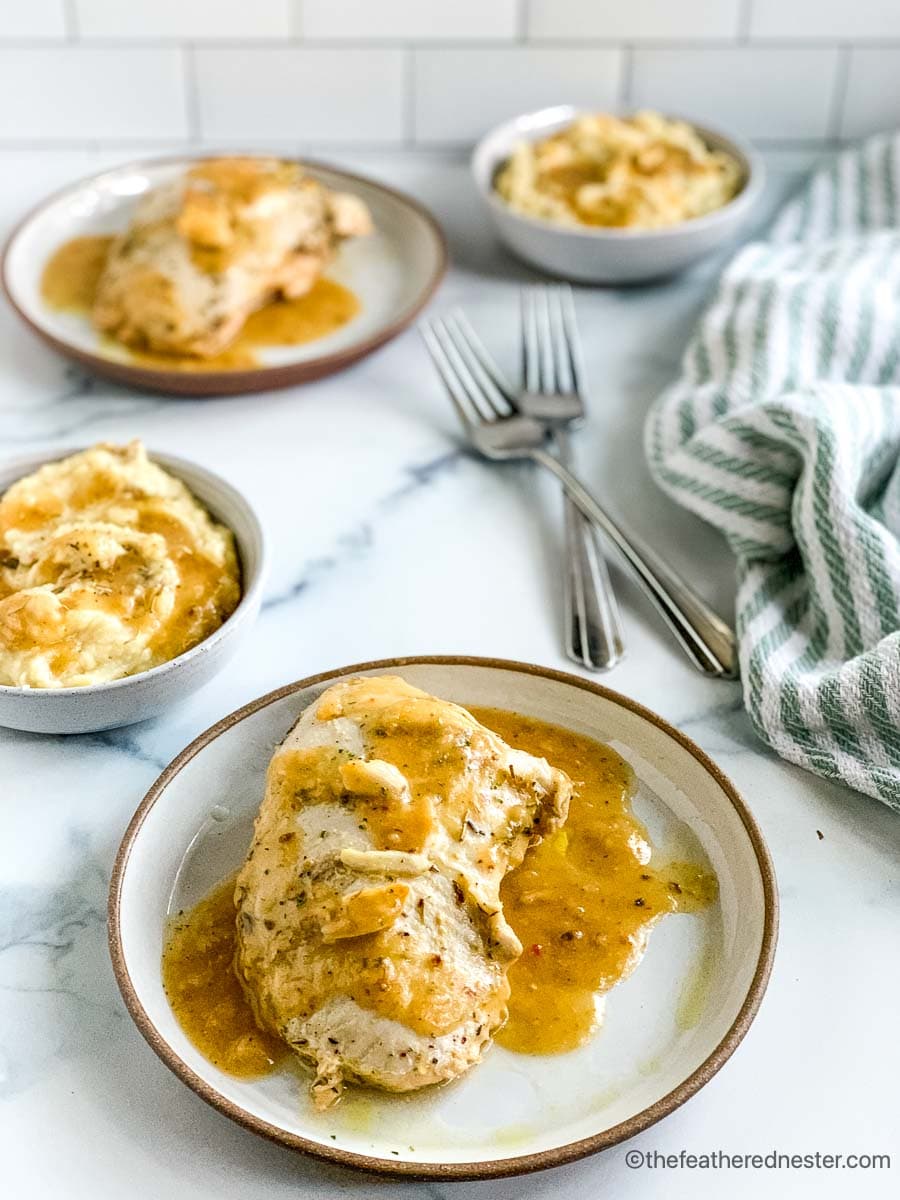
(593, 627)
(705, 637)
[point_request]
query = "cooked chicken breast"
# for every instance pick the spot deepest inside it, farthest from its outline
(207, 250)
(370, 931)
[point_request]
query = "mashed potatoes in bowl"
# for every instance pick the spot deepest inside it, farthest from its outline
(639, 172)
(109, 567)
(601, 199)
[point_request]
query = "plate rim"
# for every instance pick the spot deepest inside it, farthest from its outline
(489, 1168)
(211, 384)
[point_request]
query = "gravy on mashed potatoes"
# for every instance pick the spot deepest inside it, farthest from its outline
(108, 566)
(641, 172)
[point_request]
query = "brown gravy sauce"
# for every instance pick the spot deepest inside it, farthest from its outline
(72, 273)
(582, 903)
(204, 597)
(204, 991)
(584, 900)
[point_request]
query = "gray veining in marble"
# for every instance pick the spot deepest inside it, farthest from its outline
(424, 550)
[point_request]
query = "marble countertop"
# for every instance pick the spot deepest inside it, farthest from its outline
(390, 540)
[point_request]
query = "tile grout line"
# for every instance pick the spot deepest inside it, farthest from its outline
(409, 96)
(77, 40)
(70, 18)
(521, 30)
(191, 93)
(745, 21)
(839, 94)
(434, 147)
(626, 77)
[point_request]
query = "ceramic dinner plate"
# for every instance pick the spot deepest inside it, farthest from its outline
(393, 273)
(668, 1028)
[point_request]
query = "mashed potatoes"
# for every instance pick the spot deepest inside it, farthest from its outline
(108, 566)
(644, 172)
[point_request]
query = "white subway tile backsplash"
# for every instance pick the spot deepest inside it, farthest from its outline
(441, 71)
(814, 19)
(32, 19)
(872, 100)
(460, 94)
(635, 20)
(409, 20)
(81, 94)
(307, 95)
(777, 93)
(195, 19)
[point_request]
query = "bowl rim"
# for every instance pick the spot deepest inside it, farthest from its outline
(250, 591)
(491, 1168)
(216, 384)
(740, 148)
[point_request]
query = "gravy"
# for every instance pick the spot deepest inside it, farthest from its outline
(582, 903)
(585, 899)
(69, 284)
(108, 567)
(204, 991)
(70, 278)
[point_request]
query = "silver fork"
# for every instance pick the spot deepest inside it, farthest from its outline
(706, 639)
(553, 383)
(593, 631)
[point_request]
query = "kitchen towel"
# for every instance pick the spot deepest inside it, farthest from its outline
(783, 430)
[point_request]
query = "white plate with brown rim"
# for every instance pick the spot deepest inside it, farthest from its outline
(392, 273)
(696, 990)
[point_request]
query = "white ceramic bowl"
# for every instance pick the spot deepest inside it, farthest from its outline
(667, 1030)
(590, 255)
(138, 697)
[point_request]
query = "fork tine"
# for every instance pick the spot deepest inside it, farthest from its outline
(448, 376)
(531, 359)
(552, 343)
(572, 340)
(560, 347)
(478, 400)
(545, 340)
(490, 393)
(485, 362)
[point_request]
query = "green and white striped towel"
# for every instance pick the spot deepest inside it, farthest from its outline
(784, 432)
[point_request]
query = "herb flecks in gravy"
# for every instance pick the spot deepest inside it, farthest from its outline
(109, 566)
(69, 284)
(204, 991)
(583, 903)
(585, 899)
